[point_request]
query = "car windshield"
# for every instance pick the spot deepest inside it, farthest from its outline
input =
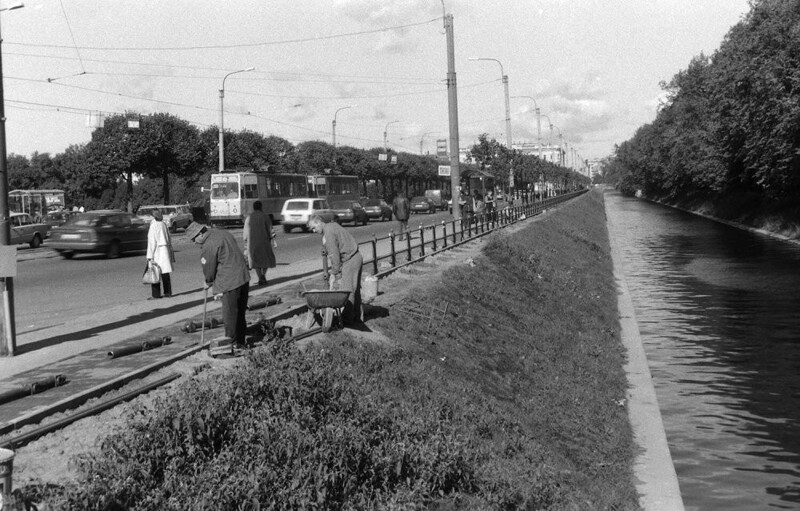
(145, 212)
(341, 205)
(297, 206)
(83, 221)
(373, 202)
(418, 199)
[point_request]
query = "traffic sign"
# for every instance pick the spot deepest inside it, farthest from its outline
(444, 170)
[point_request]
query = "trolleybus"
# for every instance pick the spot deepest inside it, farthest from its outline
(233, 194)
(334, 188)
(37, 203)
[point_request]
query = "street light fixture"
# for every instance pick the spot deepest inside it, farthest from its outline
(8, 339)
(385, 131)
(422, 139)
(221, 118)
(508, 115)
(538, 122)
(333, 124)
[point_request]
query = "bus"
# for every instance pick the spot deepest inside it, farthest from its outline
(233, 194)
(334, 188)
(37, 203)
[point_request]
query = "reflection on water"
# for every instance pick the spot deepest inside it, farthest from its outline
(719, 313)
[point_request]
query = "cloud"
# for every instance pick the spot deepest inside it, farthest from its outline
(388, 14)
(576, 107)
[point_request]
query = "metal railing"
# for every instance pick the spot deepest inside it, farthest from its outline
(433, 239)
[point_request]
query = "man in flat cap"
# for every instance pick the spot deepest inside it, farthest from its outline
(225, 268)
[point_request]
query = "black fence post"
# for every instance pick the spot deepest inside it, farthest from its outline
(421, 241)
(391, 242)
(444, 234)
(374, 254)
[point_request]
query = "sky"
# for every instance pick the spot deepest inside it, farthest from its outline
(593, 67)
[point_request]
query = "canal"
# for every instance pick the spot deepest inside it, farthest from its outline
(719, 313)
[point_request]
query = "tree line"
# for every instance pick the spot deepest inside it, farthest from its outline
(161, 158)
(730, 125)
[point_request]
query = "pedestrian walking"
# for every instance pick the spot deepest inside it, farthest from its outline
(344, 265)
(490, 204)
(258, 242)
(401, 210)
(224, 267)
(159, 251)
(477, 205)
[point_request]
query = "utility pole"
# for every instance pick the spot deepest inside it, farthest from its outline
(8, 252)
(452, 107)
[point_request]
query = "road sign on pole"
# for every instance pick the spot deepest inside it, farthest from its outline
(444, 170)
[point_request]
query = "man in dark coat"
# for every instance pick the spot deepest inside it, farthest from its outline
(257, 235)
(225, 268)
(401, 210)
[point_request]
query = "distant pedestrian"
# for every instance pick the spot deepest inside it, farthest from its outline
(344, 267)
(258, 241)
(225, 268)
(478, 207)
(489, 203)
(159, 251)
(401, 210)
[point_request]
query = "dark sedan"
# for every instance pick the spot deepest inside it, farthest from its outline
(377, 208)
(349, 211)
(422, 205)
(109, 232)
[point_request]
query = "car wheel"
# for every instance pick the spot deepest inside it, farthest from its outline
(36, 242)
(113, 250)
(287, 228)
(66, 254)
(173, 228)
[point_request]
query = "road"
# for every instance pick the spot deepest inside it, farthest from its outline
(50, 290)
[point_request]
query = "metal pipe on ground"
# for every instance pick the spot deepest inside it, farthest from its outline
(31, 388)
(123, 351)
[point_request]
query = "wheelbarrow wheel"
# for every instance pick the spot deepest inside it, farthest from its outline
(327, 319)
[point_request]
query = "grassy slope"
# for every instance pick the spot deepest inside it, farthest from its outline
(510, 402)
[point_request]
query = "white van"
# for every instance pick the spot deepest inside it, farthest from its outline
(296, 212)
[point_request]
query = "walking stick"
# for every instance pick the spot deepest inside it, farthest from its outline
(203, 325)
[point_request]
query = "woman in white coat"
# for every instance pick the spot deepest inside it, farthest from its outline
(159, 250)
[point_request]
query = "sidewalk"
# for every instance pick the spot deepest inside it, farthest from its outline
(42, 348)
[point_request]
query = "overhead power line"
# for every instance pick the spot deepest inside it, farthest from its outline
(230, 46)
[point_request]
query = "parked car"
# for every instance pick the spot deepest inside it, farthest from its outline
(296, 212)
(56, 218)
(436, 197)
(349, 211)
(25, 230)
(106, 231)
(377, 208)
(176, 216)
(422, 205)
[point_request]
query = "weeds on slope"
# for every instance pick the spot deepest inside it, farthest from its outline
(510, 402)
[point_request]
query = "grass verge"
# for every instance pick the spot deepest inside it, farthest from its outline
(508, 400)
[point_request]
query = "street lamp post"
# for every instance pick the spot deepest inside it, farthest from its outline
(538, 122)
(333, 124)
(422, 139)
(385, 132)
(221, 118)
(508, 116)
(8, 337)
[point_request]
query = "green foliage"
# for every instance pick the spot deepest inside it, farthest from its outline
(731, 122)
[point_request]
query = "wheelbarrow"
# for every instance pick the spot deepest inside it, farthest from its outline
(328, 305)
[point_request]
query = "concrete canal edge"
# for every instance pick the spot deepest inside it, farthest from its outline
(657, 482)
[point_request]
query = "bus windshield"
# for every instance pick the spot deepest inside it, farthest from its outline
(229, 190)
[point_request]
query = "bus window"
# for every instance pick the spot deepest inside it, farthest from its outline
(225, 190)
(250, 191)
